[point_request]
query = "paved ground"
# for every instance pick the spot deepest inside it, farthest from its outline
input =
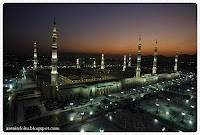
(138, 114)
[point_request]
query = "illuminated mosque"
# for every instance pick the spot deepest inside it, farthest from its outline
(57, 86)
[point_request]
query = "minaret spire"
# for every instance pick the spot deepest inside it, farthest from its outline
(155, 60)
(54, 22)
(35, 56)
(77, 63)
(94, 64)
(138, 70)
(102, 61)
(54, 58)
(124, 66)
(129, 59)
(176, 60)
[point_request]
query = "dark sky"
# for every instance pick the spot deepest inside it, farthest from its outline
(89, 28)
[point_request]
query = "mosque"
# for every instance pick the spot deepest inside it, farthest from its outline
(60, 87)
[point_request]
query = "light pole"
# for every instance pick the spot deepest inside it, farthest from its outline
(91, 101)
(192, 89)
(183, 114)
(157, 105)
(71, 104)
(82, 114)
(134, 90)
(168, 99)
(192, 106)
(111, 105)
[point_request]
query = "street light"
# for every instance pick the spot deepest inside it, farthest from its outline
(11, 86)
(183, 114)
(190, 121)
(168, 99)
(134, 90)
(91, 101)
(91, 113)
(71, 104)
(187, 101)
(101, 130)
(111, 105)
(82, 114)
(155, 120)
(82, 130)
(157, 105)
(71, 119)
(192, 106)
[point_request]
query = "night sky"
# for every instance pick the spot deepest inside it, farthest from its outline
(91, 28)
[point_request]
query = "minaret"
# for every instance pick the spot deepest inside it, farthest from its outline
(35, 56)
(155, 60)
(94, 64)
(77, 63)
(176, 60)
(54, 58)
(102, 61)
(129, 59)
(138, 58)
(124, 66)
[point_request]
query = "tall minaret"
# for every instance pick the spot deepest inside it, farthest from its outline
(155, 60)
(35, 56)
(102, 61)
(138, 58)
(94, 64)
(176, 60)
(54, 58)
(124, 66)
(77, 63)
(129, 59)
